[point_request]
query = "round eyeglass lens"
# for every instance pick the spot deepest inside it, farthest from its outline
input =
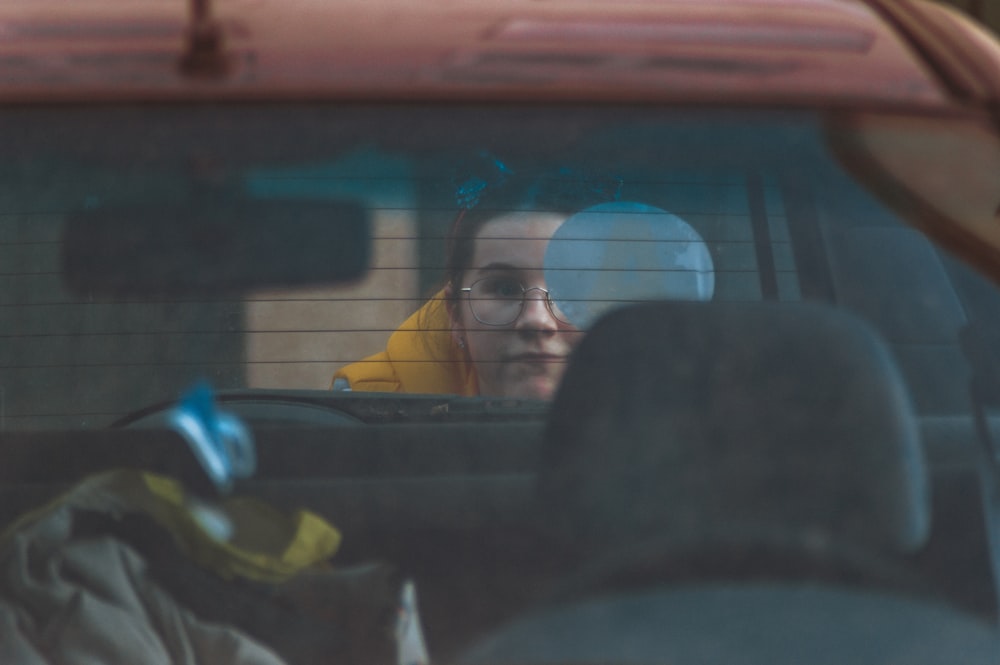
(498, 301)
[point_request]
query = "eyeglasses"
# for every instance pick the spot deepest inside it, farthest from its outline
(499, 301)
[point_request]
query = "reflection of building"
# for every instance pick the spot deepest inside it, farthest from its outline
(297, 339)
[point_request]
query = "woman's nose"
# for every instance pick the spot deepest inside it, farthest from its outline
(536, 314)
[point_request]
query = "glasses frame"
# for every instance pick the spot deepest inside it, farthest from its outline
(467, 290)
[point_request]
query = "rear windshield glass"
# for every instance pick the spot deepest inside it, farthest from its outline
(499, 236)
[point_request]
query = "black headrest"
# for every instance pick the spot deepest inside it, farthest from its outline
(704, 420)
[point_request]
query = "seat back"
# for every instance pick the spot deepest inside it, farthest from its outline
(747, 422)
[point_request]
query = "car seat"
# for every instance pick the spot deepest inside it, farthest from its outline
(742, 480)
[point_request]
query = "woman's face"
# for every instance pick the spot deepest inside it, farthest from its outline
(526, 357)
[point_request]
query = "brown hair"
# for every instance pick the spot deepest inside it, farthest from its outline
(560, 193)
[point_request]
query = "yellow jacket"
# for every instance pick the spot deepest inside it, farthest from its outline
(420, 357)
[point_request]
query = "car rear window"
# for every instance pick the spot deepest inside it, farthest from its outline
(780, 217)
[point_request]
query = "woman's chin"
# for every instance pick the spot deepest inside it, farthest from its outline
(533, 387)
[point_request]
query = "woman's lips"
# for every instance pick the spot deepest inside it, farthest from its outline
(537, 358)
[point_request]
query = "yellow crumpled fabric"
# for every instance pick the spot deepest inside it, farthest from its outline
(266, 545)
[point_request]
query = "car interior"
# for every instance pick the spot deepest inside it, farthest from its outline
(806, 456)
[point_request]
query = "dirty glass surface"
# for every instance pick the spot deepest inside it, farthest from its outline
(612, 207)
(771, 213)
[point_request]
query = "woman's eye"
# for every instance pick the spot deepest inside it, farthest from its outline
(504, 288)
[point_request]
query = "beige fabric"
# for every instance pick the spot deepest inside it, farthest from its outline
(90, 602)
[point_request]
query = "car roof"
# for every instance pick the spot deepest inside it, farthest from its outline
(771, 51)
